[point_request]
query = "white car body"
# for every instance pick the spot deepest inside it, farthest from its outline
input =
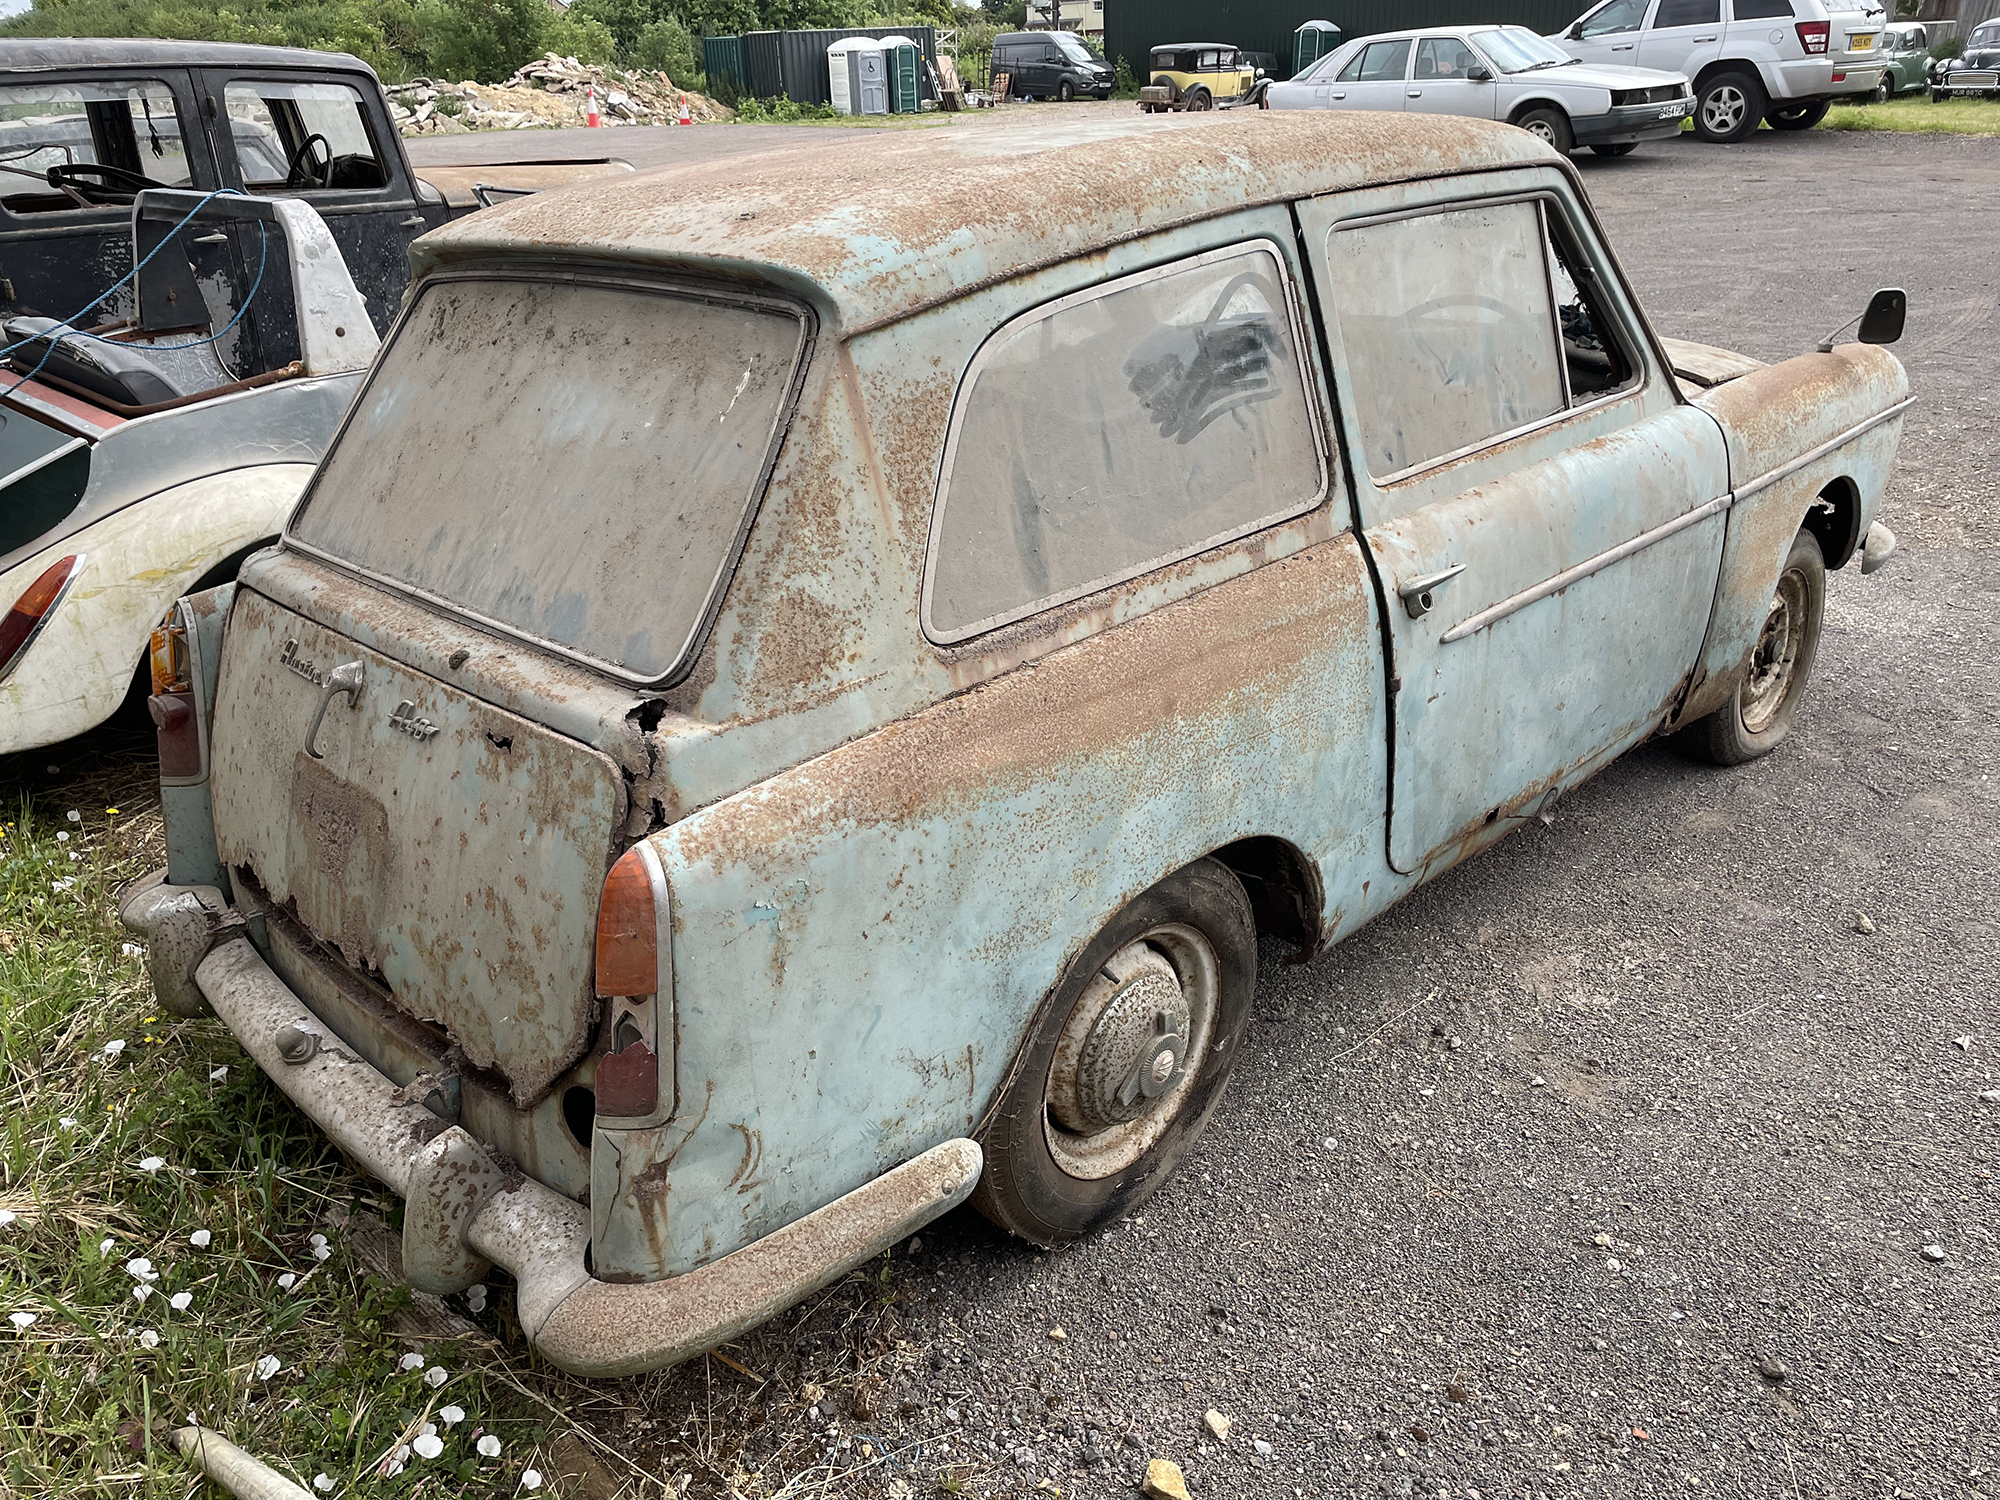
(1597, 102)
(1796, 54)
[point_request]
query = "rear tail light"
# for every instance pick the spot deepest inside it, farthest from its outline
(176, 715)
(32, 610)
(629, 973)
(1813, 36)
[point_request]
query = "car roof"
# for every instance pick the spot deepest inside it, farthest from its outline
(895, 221)
(1185, 46)
(1464, 28)
(44, 54)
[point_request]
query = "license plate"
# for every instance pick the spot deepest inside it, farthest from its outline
(1860, 41)
(1675, 111)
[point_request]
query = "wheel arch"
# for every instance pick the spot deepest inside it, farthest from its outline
(1538, 101)
(1834, 519)
(1729, 65)
(1287, 896)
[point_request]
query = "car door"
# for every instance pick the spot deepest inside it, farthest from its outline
(1376, 78)
(1544, 512)
(1439, 81)
(59, 250)
(1609, 34)
(1682, 36)
(321, 136)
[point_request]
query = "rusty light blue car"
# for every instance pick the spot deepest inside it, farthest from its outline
(801, 681)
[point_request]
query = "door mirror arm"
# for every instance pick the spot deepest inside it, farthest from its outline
(1477, 74)
(1881, 322)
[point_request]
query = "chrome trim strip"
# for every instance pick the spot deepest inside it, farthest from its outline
(1555, 585)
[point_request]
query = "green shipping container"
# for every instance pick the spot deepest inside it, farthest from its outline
(722, 59)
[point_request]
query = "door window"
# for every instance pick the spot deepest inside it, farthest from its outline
(1119, 429)
(1619, 15)
(302, 137)
(1449, 328)
(129, 129)
(1445, 57)
(1687, 13)
(1378, 62)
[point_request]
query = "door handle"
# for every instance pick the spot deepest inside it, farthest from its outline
(1341, 95)
(1704, 39)
(415, 221)
(1417, 592)
(1414, 93)
(1627, 47)
(218, 238)
(344, 681)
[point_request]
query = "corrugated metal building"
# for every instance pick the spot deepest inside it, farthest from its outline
(765, 64)
(1132, 28)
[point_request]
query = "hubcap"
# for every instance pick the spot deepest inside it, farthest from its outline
(1723, 110)
(1775, 660)
(1542, 130)
(1125, 1062)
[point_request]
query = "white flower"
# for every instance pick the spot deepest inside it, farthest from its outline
(429, 1429)
(393, 1464)
(451, 1416)
(149, 1338)
(181, 1301)
(430, 1445)
(21, 1320)
(475, 1296)
(131, 950)
(435, 1376)
(531, 1479)
(323, 1483)
(151, 1164)
(63, 885)
(141, 1292)
(68, 1122)
(317, 1241)
(62, 838)
(138, 1266)
(74, 816)
(320, 1249)
(266, 1367)
(104, 1246)
(112, 1049)
(216, 1075)
(200, 1238)
(287, 1281)
(410, 1361)
(488, 1446)
(6, 1217)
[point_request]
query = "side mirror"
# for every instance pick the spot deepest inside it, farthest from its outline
(1883, 322)
(1575, 32)
(1477, 74)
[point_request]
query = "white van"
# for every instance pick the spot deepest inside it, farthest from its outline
(1751, 60)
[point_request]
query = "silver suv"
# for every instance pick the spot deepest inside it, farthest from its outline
(1751, 60)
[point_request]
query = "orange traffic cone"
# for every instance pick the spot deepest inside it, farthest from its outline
(687, 116)
(590, 116)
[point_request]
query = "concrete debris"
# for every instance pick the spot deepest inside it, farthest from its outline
(1163, 1480)
(550, 93)
(1217, 1425)
(1933, 1252)
(1862, 924)
(1989, 1096)
(1773, 1369)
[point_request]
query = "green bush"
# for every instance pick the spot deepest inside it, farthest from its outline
(581, 38)
(670, 47)
(1127, 86)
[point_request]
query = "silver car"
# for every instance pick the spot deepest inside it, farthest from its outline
(1496, 73)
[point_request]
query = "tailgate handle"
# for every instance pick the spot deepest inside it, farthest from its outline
(343, 680)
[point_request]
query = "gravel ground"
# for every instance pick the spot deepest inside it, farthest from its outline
(1513, 1191)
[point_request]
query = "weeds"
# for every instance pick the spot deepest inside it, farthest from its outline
(1916, 114)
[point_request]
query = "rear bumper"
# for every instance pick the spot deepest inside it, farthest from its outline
(466, 1211)
(1801, 80)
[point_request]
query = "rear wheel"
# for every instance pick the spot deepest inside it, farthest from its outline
(1799, 116)
(1127, 1063)
(1759, 715)
(1625, 149)
(1065, 91)
(1885, 90)
(1728, 108)
(1550, 125)
(1200, 99)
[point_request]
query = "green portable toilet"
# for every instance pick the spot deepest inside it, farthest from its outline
(1311, 42)
(905, 65)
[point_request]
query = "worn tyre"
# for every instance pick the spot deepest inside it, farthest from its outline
(1200, 99)
(1550, 125)
(1728, 108)
(1127, 1061)
(1759, 713)
(1885, 90)
(1798, 116)
(1625, 148)
(1065, 91)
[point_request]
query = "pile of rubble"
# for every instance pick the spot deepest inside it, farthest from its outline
(549, 93)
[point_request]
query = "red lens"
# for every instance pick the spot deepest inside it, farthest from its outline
(1813, 35)
(25, 617)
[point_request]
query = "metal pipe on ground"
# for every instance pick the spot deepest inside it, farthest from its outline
(226, 1464)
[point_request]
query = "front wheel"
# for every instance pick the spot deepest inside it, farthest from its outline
(1728, 108)
(1799, 116)
(1758, 716)
(1624, 149)
(1125, 1066)
(1065, 91)
(1885, 90)
(1550, 125)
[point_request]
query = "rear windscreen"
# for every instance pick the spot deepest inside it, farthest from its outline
(573, 462)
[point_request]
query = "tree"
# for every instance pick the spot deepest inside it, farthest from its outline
(484, 40)
(670, 47)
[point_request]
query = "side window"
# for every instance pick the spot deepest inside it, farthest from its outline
(109, 138)
(1351, 72)
(1116, 430)
(1619, 15)
(301, 137)
(1762, 10)
(1385, 61)
(1463, 325)
(1687, 13)
(1445, 57)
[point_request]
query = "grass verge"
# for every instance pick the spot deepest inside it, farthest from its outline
(1915, 114)
(158, 1258)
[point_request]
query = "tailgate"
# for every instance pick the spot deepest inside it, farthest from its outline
(451, 848)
